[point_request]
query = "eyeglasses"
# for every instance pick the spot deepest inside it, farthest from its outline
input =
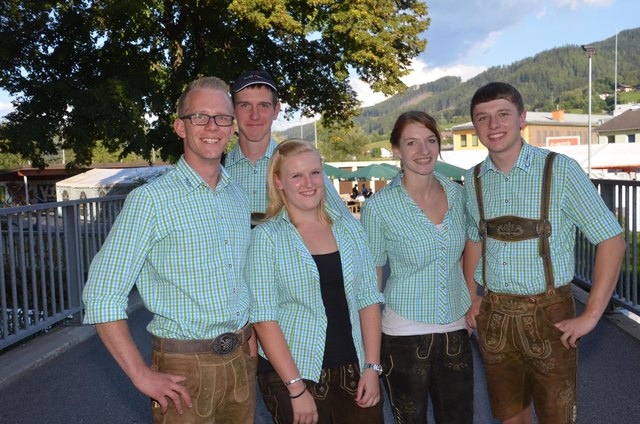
(202, 119)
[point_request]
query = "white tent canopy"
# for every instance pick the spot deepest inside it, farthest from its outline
(618, 156)
(104, 182)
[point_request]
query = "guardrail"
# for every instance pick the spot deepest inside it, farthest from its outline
(46, 251)
(623, 198)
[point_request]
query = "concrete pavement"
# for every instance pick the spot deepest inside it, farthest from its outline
(67, 376)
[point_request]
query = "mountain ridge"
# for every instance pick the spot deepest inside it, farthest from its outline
(551, 79)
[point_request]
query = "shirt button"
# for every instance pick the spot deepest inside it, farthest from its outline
(230, 266)
(506, 201)
(254, 191)
(504, 264)
(227, 242)
(504, 244)
(233, 290)
(506, 285)
(506, 178)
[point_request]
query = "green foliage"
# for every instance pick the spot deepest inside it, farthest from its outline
(630, 97)
(102, 154)
(10, 161)
(342, 143)
(89, 70)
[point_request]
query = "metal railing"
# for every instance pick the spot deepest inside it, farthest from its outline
(46, 251)
(623, 198)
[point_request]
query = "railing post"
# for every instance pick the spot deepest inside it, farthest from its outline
(71, 225)
(608, 194)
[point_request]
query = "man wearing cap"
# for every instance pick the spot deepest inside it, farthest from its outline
(182, 240)
(256, 106)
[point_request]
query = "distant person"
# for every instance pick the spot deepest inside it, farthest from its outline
(315, 300)
(355, 193)
(365, 191)
(256, 106)
(525, 204)
(417, 223)
(182, 240)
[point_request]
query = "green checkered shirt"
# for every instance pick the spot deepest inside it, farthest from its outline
(516, 267)
(253, 178)
(426, 282)
(183, 245)
(285, 286)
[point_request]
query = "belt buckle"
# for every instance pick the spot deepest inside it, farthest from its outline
(225, 343)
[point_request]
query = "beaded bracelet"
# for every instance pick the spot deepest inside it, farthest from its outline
(304, 389)
(295, 380)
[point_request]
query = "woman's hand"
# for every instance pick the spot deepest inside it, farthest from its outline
(368, 393)
(304, 409)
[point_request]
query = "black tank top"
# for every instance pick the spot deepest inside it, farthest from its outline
(339, 349)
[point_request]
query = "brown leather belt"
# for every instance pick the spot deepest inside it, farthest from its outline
(223, 344)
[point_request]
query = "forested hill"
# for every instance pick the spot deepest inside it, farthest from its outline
(553, 78)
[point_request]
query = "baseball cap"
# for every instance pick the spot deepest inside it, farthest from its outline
(251, 78)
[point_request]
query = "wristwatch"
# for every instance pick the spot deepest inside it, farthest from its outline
(376, 367)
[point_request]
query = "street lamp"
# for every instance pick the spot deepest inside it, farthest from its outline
(590, 50)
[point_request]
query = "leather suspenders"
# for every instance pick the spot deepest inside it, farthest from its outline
(514, 228)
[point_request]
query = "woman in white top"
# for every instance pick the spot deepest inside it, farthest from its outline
(417, 223)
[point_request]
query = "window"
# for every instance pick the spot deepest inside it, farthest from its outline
(631, 138)
(463, 140)
(611, 139)
(474, 140)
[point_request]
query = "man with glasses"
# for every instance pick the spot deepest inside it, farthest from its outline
(256, 106)
(182, 240)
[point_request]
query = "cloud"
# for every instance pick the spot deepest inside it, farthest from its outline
(5, 108)
(451, 39)
(574, 4)
(421, 73)
(281, 123)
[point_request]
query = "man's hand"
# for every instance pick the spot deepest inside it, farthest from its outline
(158, 386)
(163, 387)
(575, 328)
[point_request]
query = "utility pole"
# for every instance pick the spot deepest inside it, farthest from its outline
(589, 50)
(615, 84)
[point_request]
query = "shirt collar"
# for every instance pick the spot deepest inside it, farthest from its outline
(192, 180)
(397, 181)
(334, 213)
(523, 161)
(236, 155)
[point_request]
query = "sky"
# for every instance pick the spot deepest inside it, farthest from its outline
(468, 36)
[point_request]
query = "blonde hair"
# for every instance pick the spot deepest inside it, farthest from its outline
(276, 199)
(210, 83)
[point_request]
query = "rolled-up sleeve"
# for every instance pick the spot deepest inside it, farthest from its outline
(116, 267)
(259, 273)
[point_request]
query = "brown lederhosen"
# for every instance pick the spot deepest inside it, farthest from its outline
(515, 228)
(516, 333)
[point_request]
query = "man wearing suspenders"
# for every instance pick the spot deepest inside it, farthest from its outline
(524, 206)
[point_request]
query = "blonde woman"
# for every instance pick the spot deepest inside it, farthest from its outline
(315, 300)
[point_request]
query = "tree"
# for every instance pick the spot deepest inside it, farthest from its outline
(338, 144)
(88, 70)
